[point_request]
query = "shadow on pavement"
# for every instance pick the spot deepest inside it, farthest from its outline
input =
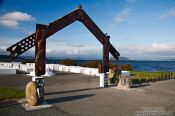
(140, 85)
(63, 73)
(68, 98)
(70, 91)
(7, 104)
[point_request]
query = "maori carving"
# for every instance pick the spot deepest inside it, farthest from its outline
(22, 46)
(106, 55)
(44, 31)
(40, 50)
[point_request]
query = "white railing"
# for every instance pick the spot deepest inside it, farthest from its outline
(29, 67)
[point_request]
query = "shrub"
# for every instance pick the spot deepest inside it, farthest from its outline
(91, 64)
(68, 62)
(94, 64)
(113, 66)
(27, 61)
(126, 67)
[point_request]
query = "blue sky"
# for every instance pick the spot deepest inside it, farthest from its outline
(139, 29)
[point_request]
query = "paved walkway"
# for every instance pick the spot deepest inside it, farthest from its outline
(79, 95)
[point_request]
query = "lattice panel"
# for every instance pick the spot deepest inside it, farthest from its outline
(22, 46)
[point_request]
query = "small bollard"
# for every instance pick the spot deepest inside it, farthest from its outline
(103, 80)
(40, 88)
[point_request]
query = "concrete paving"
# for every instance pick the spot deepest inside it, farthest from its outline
(80, 95)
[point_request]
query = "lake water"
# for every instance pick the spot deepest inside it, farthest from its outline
(152, 66)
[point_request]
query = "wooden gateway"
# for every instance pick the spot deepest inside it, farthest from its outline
(38, 39)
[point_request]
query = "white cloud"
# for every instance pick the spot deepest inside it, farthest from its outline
(12, 19)
(131, 1)
(168, 14)
(83, 53)
(67, 49)
(120, 17)
(6, 42)
(3, 52)
(156, 51)
(8, 23)
(62, 43)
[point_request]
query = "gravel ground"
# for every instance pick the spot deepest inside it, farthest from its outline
(80, 95)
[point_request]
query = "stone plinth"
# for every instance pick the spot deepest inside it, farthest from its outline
(124, 81)
(31, 93)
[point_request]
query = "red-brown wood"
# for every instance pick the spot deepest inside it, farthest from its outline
(40, 50)
(44, 31)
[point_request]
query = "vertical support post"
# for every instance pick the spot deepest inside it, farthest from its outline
(40, 60)
(99, 68)
(40, 50)
(106, 58)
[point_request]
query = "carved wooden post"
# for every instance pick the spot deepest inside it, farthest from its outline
(40, 50)
(106, 59)
(40, 60)
(106, 54)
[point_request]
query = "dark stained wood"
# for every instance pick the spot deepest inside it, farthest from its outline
(44, 31)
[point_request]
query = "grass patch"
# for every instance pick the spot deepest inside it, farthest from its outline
(7, 93)
(141, 76)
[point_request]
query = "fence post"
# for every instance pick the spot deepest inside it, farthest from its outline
(147, 79)
(139, 80)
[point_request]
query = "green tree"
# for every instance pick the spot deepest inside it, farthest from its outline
(126, 67)
(68, 62)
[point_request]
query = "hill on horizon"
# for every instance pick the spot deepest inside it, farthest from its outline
(5, 58)
(120, 58)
